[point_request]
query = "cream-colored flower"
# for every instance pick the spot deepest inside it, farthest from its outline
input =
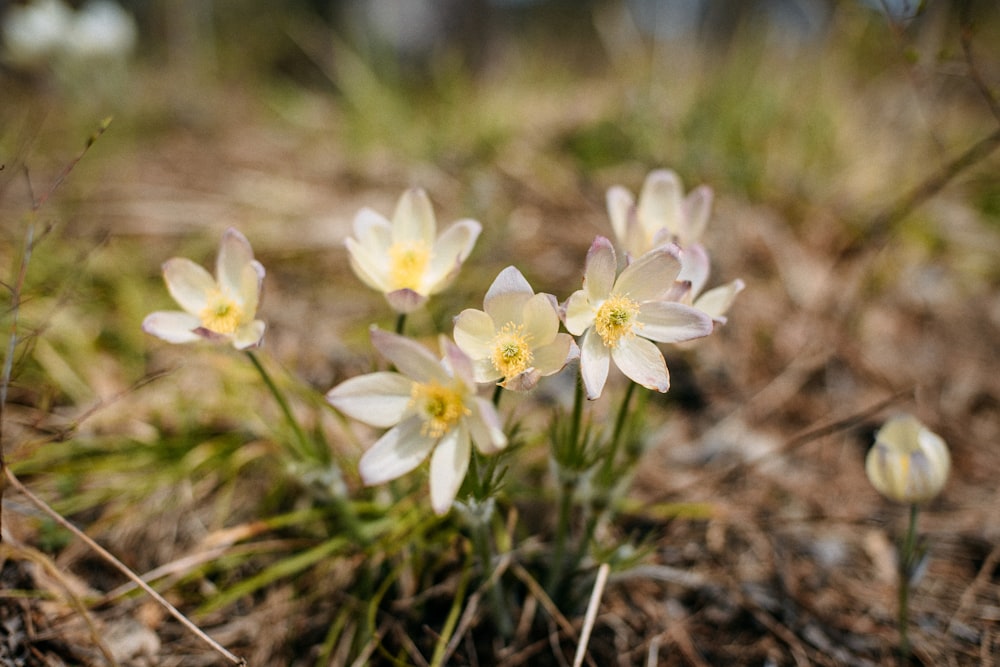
(515, 338)
(619, 317)
(432, 408)
(908, 463)
(405, 259)
(220, 308)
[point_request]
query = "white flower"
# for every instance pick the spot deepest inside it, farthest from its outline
(694, 271)
(663, 214)
(221, 308)
(515, 338)
(619, 317)
(405, 259)
(36, 31)
(432, 409)
(908, 463)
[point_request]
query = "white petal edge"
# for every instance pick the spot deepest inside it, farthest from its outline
(188, 283)
(642, 362)
(397, 452)
(449, 463)
(235, 254)
(378, 399)
(172, 326)
(595, 361)
(670, 322)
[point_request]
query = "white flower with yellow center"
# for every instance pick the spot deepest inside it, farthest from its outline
(515, 339)
(430, 407)
(405, 259)
(908, 463)
(220, 308)
(619, 318)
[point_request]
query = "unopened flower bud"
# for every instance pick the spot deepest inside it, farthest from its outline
(908, 463)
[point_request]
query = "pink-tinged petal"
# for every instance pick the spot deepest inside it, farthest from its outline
(370, 269)
(506, 296)
(621, 204)
(474, 332)
(450, 250)
(405, 300)
(716, 302)
(679, 291)
(524, 381)
(397, 452)
(660, 203)
(541, 319)
(414, 218)
(595, 360)
(377, 399)
(411, 358)
(578, 313)
(600, 270)
(235, 254)
(650, 276)
(550, 359)
(695, 267)
(449, 463)
(249, 335)
(250, 284)
(188, 283)
(458, 362)
(172, 326)
(485, 427)
(697, 209)
(372, 230)
(642, 362)
(670, 322)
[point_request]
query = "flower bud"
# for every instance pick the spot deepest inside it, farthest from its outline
(908, 463)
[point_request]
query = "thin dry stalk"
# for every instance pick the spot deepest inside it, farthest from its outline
(591, 616)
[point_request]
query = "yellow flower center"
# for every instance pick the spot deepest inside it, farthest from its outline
(616, 319)
(408, 264)
(511, 352)
(440, 406)
(222, 314)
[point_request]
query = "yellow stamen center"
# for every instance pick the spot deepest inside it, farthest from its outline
(222, 314)
(511, 352)
(441, 407)
(408, 264)
(616, 319)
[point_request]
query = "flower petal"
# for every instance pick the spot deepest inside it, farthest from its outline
(485, 427)
(249, 335)
(697, 209)
(541, 319)
(620, 204)
(411, 358)
(413, 219)
(449, 463)
(660, 202)
(188, 283)
(397, 452)
(650, 276)
(405, 300)
(474, 331)
(600, 270)
(250, 284)
(372, 230)
(695, 267)
(506, 296)
(450, 250)
(642, 362)
(378, 399)
(595, 360)
(578, 313)
(716, 302)
(669, 322)
(550, 359)
(172, 326)
(371, 269)
(235, 254)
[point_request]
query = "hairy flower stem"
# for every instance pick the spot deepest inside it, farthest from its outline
(907, 565)
(306, 448)
(616, 435)
(484, 551)
(400, 323)
(567, 483)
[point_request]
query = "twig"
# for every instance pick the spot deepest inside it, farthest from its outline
(591, 616)
(965, 36)
(110, 558)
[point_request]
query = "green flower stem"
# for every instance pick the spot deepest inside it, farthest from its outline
(616, 435)
(497, 393)
(906, 566)
(566, 487)
(304, 445)
(481, 542)
(400, 323)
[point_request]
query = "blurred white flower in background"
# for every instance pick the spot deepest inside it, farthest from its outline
(50, 33)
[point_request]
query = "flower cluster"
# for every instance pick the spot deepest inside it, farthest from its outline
(430, 404)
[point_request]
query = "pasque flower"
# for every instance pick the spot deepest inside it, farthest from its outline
(908, 463)
(220, 308)
(515, 339)
(405, 259)
(619, 317)
(432, 409)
